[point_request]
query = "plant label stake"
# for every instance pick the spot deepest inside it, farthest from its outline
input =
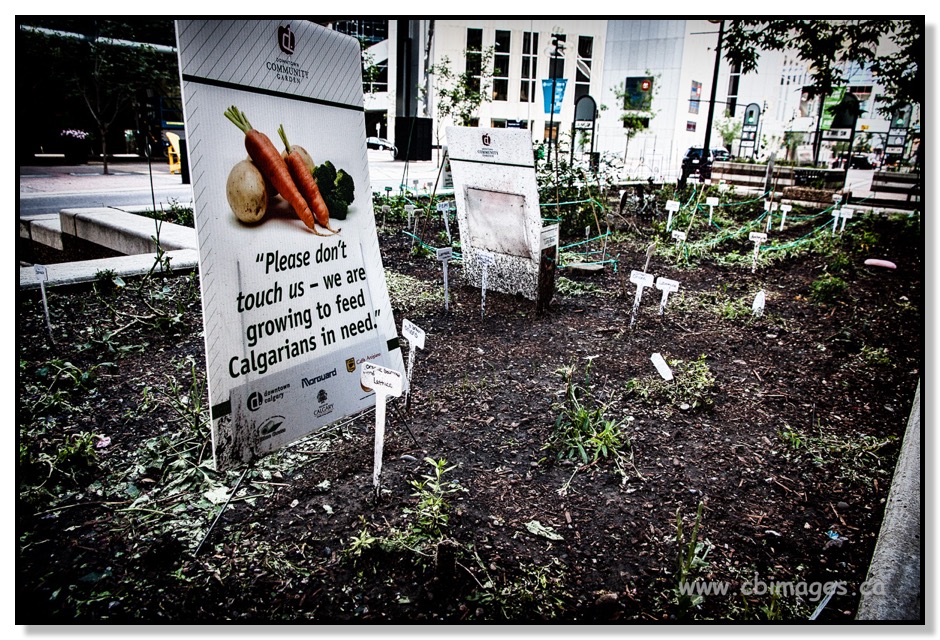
(758, 306)
(846, 215)
(757, 238)
(660, 363)
(486, 259)
(443, 256)
(836, 214)
(770, 217)
(784, 210)
(649, 254)
(641, 280)
(384, 382)
(385, 210)
(712, 202)
(723, 186)
(667, 286)
(415, 337)
(409, 212)
(679, 237)
(671, 206)
(43, 277)
(444, 207)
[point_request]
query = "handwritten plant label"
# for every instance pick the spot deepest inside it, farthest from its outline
(415, 337)
(847, 214)
(712, 202)
(444, 208)
(384, 382)
(836, 214)
(784, 210)
(679, 237)
(486, 260)
(757, 238)
(667, 286)
(444, 255)
(641, 280)
(409, 213)
(385, 210)
(770, 216)
(672, 206)
(758, 306)
(660, 363)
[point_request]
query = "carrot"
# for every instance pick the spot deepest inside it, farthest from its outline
(306, 183)
(269, 161)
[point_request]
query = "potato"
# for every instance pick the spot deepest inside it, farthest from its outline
(246, 192)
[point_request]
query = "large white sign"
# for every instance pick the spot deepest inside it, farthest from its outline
(293, 290)
(497, 206)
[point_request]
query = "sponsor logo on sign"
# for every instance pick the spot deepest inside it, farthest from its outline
(350, 364)
(271, 427)
(255, 400)
(309, 382)
(486, 139)
(325, 407)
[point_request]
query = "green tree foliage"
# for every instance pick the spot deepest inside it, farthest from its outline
(459, 95)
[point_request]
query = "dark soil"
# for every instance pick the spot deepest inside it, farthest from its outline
(790, 451)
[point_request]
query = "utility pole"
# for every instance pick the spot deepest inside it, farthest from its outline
(706, 151)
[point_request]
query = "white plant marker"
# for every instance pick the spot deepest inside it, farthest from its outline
(650, 250)
(667, 286)
(758, 306)
(757, 238)
(443, 256)
(723, 186)
(679, 237)
(671, 206)
(660, 363)
(641, 280)
(444, 207)
(712, 202)
(847, 214)
(43, 276)
(385, 210)
(415, 337)
(770, 217)
(486, 259)
(384, 382)
(784, 210)
(409, 212)
(836, 214)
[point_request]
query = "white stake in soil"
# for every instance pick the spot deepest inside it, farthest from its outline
(650, 250)
(384, 382)
(757, 238)
(784, 210)
(415, 337)
(444, 208)
(758, 306)
(667, 286)
(660, 363)
(43, 277)
(770, 216)
(641, 280)
(712, 202)
(671, 206)
(836, 214)
(679, 237)
(847, 214)
(443, 256)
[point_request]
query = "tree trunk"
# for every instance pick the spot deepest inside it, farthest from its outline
(104, 151)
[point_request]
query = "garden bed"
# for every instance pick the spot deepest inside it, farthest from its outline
(768, 459)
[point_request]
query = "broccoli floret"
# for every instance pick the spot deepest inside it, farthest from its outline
(325, 174)
(345, 188)
(338, 208)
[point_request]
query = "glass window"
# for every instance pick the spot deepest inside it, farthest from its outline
(530, 49)
(501, 65)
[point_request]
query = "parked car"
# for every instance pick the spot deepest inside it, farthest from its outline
(694, 161)
(721, 155)
(381, 144)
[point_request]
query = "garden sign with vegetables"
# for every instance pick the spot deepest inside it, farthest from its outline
(293, 289)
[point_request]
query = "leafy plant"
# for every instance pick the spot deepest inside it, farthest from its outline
(692, 558)
(827, 289)
(432, 512)
(692, 386)
(536, 590)
(582, 430)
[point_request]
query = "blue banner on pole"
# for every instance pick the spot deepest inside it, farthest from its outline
(560, 84)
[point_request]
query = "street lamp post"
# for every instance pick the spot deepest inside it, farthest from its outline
(559, 46)
(706, 151)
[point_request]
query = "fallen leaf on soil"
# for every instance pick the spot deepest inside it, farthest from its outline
(535, 527)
